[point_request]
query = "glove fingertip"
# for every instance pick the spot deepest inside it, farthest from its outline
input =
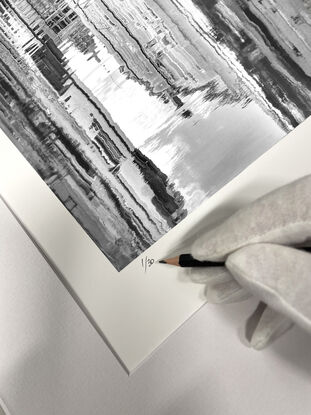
(264, 326)
(225, 292)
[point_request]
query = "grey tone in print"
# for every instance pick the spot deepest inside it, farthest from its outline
(133, 112)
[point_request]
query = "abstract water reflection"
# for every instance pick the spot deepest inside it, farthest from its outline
(135, 111)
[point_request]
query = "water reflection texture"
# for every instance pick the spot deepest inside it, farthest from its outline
(135, 111)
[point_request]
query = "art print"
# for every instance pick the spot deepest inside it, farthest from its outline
(134, 112)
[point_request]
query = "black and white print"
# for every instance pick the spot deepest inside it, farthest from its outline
(133, 112)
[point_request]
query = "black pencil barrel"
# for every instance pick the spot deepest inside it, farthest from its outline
(187, 260)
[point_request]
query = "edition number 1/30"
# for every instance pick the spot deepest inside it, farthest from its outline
(147, 263)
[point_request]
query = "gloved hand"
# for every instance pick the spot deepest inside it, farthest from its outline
(259, 245)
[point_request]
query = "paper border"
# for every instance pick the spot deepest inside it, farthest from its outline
(133, 310)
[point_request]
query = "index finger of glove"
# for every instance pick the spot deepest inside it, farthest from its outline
(281, 217)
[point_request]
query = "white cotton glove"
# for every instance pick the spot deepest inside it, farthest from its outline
(258, 244)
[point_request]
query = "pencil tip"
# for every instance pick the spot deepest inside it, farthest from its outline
(162, 262)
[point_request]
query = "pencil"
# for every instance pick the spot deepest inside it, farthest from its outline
(187, 260)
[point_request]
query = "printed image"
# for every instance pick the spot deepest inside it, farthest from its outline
(134, 112)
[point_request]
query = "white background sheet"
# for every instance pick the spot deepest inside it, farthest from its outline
(52, 361)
